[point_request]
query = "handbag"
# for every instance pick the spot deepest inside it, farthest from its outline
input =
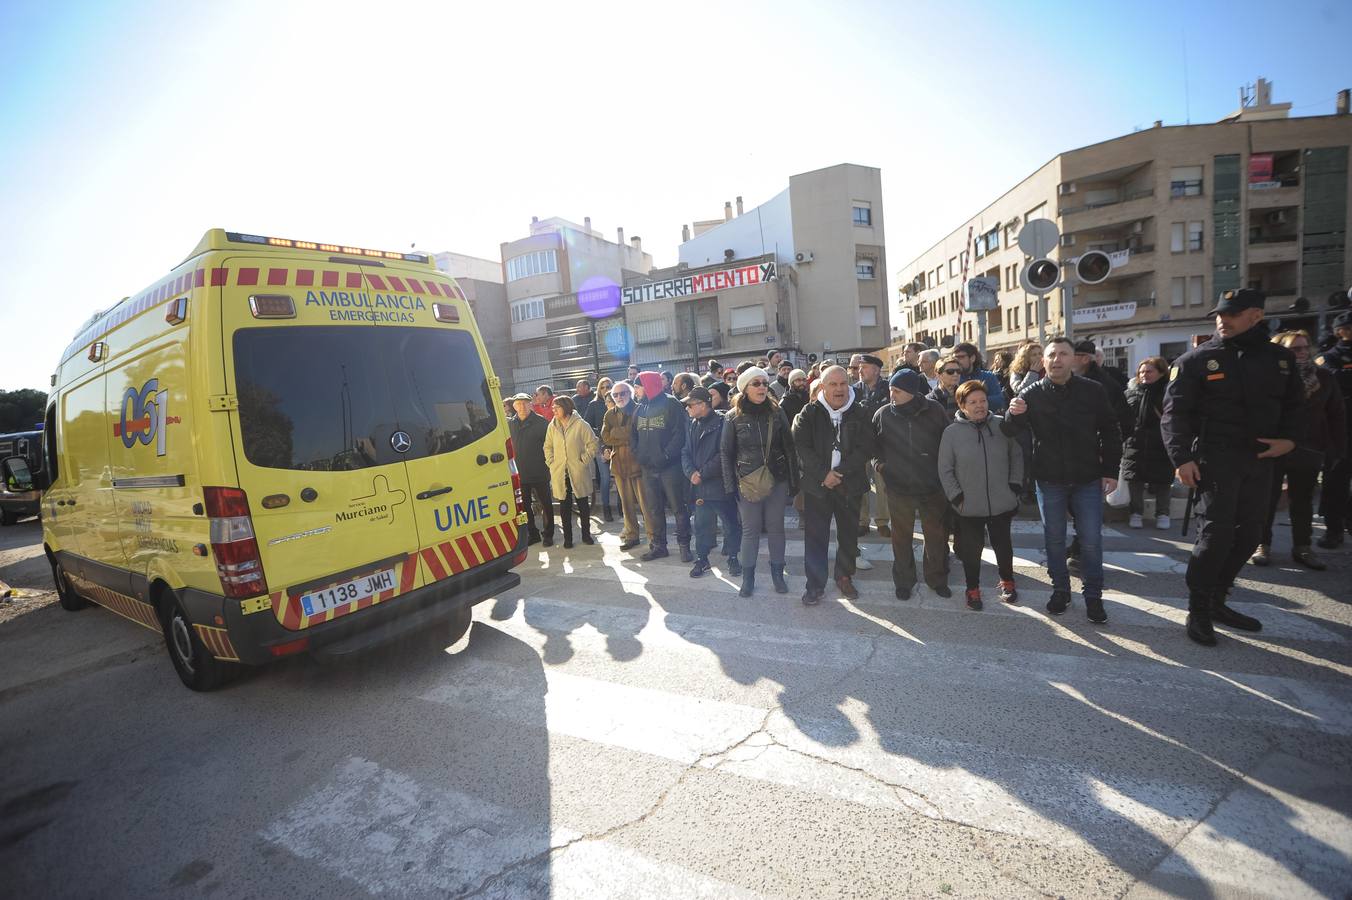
(758, 484)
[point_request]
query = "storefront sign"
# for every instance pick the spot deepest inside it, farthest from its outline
(1112, 312)
(702, 283)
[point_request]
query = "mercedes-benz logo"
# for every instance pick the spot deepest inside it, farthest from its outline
(400, 441)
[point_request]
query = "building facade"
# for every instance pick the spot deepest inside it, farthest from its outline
(562, 286)
(825, 234)
(481, 280)
(1258, 200)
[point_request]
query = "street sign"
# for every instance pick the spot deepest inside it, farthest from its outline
(981, 293)
(1038, 238)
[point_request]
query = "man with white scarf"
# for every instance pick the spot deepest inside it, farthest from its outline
(834, 440)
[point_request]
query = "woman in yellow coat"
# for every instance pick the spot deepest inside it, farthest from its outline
(570, 448)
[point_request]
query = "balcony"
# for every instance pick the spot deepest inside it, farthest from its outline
(1274, 194)
(1274, 248)
(528, 378)
(529, 330)
(1125, 207)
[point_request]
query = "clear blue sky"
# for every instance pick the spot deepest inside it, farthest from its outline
(129, 133)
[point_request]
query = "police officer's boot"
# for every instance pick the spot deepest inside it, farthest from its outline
(1224, 615)
(1199, 619)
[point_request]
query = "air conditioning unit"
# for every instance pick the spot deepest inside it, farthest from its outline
(803, 256)
(1276, 217)
(1067, 187)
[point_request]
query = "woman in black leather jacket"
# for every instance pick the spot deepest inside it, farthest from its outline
(756, 418)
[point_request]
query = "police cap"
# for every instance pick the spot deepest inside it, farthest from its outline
(1234, 301)
(1086, 347)
(1344, 320)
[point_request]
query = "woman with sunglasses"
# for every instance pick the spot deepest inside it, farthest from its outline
(950, 374)
(755, 436)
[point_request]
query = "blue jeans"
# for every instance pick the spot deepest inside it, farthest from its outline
(705, 515)
(603, 480)
(1085, 501)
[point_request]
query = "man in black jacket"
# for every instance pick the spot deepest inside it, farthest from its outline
(660, 424)
(834, 440)
(702, 462)
(873, 394)
(1077, 448)
(907, 433)
(1233, 405)
(1086, 366)
(528, 429)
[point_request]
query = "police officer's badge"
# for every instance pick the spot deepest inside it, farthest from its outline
(1173, 372)
(1213, 365)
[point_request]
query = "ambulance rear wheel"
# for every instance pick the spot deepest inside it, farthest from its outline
(195, 665)
(65, 591)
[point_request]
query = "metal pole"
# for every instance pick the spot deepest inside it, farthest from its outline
(1068, 311)
(981, 332)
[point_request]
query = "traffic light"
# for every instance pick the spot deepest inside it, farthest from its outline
(1037, 239)
(1040, 276)
(1093, 267)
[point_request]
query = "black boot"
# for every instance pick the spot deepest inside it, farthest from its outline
(748, 581)
(584, 514)
(1199, 619)
(1224, 615)
(777, 576)
(606, 514)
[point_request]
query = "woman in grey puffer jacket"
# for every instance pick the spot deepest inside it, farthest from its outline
(982, 474)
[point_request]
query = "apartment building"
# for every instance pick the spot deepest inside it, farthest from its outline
(481, 280)
(825, 236)
(562, 288)
(1259, 199)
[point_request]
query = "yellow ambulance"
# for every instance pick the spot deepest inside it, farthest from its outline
(281, 447)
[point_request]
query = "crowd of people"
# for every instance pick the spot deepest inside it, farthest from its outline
(955, 445)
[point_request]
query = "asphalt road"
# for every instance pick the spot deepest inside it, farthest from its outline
(616, 729)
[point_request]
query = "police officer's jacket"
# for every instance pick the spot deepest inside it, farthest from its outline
(1076, 437)
(1337, 361)
(1227, 393)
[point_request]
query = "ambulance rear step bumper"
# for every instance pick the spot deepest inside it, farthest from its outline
(372, 636)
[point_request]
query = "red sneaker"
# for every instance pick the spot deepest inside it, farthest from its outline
(974, 598)
(1007, 592)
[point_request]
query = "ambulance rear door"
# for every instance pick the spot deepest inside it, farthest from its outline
(446, 396)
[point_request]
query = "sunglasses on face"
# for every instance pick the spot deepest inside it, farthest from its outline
(758, 383)
(952, 371)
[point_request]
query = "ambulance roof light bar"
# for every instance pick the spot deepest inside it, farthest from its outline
(241, 238)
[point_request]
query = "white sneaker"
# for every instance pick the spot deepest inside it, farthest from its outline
(1136, 520)
(1162, 523)
(862, 564)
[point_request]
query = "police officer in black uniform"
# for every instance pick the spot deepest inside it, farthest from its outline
(1233, 405)
(1333, 500)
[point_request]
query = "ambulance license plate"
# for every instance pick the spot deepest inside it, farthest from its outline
(350, 592)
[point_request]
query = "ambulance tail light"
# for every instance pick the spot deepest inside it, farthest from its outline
(516, 477)
(239, 564)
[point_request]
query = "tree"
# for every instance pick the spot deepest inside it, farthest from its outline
(21, 410)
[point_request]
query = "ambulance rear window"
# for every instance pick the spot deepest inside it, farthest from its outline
(332, 397)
